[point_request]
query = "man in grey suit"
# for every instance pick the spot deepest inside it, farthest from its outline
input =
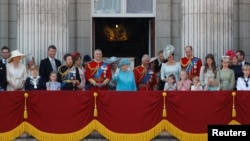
(49, 64)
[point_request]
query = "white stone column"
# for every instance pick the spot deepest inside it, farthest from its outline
(208, 26)
(41, 23)
(4, 14)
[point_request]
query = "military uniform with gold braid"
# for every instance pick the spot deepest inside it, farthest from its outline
(67, 75)
(98, 73)
(191, 65)
(145, 78)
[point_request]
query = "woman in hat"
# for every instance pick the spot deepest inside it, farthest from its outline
(77, 61)
(16, 72)
(225, 76)
(124, 77)
(113, 61)
(171, 66)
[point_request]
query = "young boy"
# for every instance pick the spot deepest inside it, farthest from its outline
(34, 81)
(243, 83)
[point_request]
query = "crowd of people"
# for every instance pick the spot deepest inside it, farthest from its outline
(161, 73)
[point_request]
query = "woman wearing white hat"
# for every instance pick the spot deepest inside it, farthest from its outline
(16, 72)
(171, 66)
(124, 77)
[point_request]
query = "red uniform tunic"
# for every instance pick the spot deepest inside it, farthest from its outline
(98, 72)
(145, 78)
(191, 65)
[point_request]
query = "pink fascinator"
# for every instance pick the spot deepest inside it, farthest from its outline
(230, 53)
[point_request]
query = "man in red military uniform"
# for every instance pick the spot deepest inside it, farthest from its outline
(98, 73)
(144, 75)
(190, 63)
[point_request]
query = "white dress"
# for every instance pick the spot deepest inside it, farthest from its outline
(15, 75)
(81, 86)
(205, 75)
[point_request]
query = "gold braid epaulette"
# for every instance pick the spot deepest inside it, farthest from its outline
(188, 62)
(94, 68)
(142, 74)
(63, 74)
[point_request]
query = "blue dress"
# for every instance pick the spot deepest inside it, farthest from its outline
(125, 81)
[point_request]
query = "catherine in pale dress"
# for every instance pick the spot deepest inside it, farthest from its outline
(171, 66)
(225, 76)
(16, 72)
(208, 70)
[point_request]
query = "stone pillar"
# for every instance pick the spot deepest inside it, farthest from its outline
(208, 26)
(4, 23)
(84, 27)
(41, 23)
(244, 27)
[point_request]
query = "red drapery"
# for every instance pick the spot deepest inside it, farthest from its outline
(58, 115)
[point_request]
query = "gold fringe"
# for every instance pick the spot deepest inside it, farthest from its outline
(182, 135)
(12, 134)
(164, 112)
(143, 136)
(73, 136)
(233, 107)
(110, 135)
(25, 113)
(95, 108)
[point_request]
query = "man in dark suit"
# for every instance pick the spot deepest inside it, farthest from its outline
(161, 60)
(240, 55)
(3, 77)
(49, 64)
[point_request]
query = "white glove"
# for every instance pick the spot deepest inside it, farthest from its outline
(117, 71)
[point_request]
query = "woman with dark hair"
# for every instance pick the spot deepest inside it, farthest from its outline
(68, 74)
(208, 70)
(77, 61)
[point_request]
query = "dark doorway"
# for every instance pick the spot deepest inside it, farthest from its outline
(123, 37)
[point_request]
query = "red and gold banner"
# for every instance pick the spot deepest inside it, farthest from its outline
(133, 116)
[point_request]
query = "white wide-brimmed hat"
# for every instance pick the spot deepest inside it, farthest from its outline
(15, 53)
(111, 60)
(169, 49)
(152, 59)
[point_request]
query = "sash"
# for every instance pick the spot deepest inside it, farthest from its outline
(190, 66)
(146, 77)
(68, 77)
(100, 70)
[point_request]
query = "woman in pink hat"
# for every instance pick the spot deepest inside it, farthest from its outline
(16, 72)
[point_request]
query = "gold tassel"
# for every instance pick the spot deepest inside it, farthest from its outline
(233, 107)
(25, 113)
(164, 112)
(95, 108)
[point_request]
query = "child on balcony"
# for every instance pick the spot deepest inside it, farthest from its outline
(184, 84)
(170, 85)
(53, 84)
(212, 84)
(196, 84)
(243, 83)
(34, 81)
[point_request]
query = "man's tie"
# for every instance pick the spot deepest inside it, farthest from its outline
(5, 61)
(53, 65)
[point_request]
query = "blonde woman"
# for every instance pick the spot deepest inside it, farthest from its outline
(16, 72)
(225, 76)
